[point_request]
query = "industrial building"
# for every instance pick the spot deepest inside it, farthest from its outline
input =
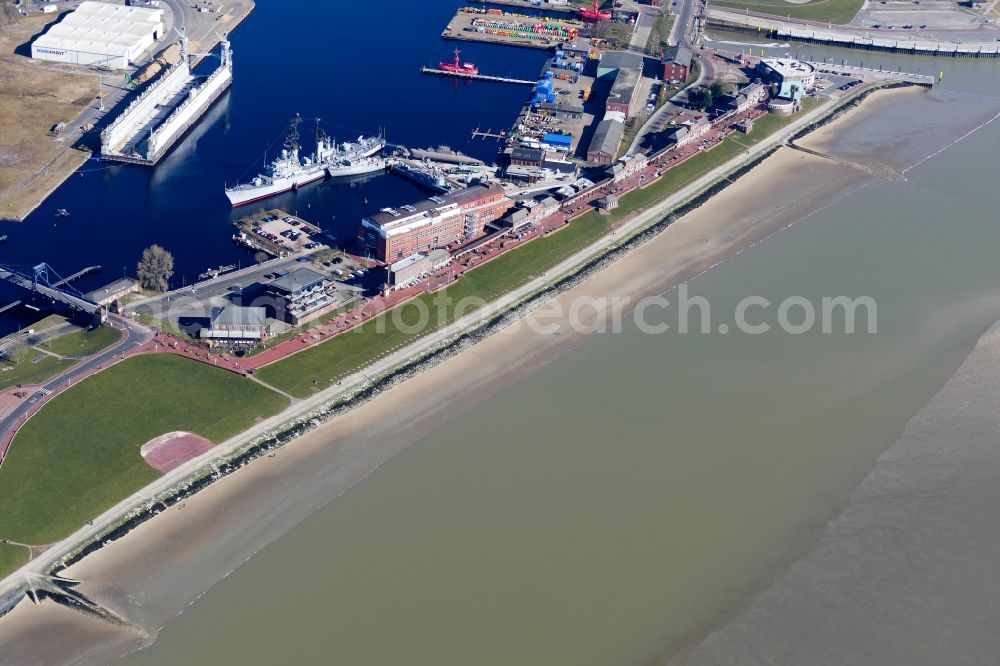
(607, 138)
(676, 64)
(395, 233)
(623, 91)
(613, 61)
(99, 33)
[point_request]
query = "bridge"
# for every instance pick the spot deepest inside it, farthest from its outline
(43, 279)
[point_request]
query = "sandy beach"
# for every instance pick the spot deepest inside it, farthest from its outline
(158, 569)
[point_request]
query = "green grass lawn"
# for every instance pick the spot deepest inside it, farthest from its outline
(321, 365)
(833, 11)
(83, 343)
(11, 557)
(28, 371)
(80, 454)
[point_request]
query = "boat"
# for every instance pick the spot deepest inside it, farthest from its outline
(289, 171)
(594, 14)
(459, 67)
(62, 212)
(356, 166)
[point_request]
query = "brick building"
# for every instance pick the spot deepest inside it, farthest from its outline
(394, 233)
(676, 64)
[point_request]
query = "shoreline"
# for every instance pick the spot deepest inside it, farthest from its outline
(356, 444)
(489, 328)
(228, 457)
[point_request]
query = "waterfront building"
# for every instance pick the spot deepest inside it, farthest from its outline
(100, 33)
(524, 156)
(110, 293)
(300, 296)
(457, 217)
(786, 70)
(676, 64)
(236, 324)
(406, 271)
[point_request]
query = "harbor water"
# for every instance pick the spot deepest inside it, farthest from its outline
(356, 71)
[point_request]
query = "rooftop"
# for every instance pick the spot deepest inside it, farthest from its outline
(788, 68)
(237, 315)
(678, 54)
(406, 262)
(607, 137)
(624, 87)
(621, 60)
(404, 218)
(102, 28)
(297, 280)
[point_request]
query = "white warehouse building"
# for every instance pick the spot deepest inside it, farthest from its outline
(99, 33)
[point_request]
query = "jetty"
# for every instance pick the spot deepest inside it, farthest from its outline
(477, 77)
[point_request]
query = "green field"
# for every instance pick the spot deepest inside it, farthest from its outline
(83, 343)
(321, 365)
(11, 557)
(33, 368)
(833, 11)
(80, 454)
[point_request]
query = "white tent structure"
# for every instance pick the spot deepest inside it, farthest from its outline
(99, 33)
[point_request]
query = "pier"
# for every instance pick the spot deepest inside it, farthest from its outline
(76, 276)
(477, 77)
(488, 134)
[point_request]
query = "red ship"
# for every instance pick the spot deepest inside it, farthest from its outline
(594, 14)
(459, 68)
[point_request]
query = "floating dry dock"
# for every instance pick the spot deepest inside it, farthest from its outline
(158, 117)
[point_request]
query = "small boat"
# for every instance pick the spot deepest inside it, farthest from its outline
(62, 212)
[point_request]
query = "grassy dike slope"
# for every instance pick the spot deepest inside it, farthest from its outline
(833, 11)
(80, 454)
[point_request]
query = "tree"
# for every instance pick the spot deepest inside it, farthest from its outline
(15, 349)
(155, 268)
(718, 89)
(700, 98)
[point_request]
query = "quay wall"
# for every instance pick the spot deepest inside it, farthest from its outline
(984, 50)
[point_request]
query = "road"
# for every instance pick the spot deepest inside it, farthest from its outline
(201, 292)
(640, 35)
(683, 27)
(135, 336)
